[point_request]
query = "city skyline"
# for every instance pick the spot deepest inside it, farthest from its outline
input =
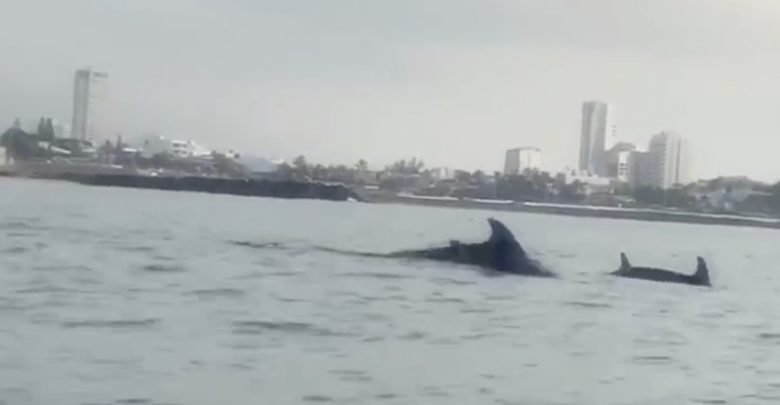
(457, 94)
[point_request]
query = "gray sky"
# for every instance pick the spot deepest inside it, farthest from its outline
(455, 82)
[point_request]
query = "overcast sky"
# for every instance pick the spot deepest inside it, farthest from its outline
(455, 82)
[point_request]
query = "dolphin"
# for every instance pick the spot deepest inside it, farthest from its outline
(501, 253)
(700, 278)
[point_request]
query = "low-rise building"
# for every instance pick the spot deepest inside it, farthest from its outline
(518, 160)
(442, 173)
(179, 148)
(619, 162)
(5, 158)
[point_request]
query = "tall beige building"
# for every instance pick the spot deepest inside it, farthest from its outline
(597, 137)
(90, 105)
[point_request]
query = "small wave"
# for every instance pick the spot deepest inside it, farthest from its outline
(384, 276)
(63, 267)
(258, 245)
(20, 223)
(15, 250)
(46, 289)
(346, 372)
(443, 341)
(476, 311)
(385, 396)
(259, 327)
(769, 336)
(317, 398)
(711, 401)
(680, 341)
(288, 299)
(432, 391)
(477, 336)
(585, 304)
(135, 248)
(761, 397)
(113, 324)
(373, 316)
(351, 375)
(283, 274)
(500, 298)
(133, 401)
(164, 268)
(449, 281)
(445, 300)
(652, 359)
(217, 292)
(414, 335)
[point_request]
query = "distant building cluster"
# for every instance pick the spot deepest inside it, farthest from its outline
(665, 163)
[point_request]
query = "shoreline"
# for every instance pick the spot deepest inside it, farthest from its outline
(337, 192)
(638, 214)
(287, 189)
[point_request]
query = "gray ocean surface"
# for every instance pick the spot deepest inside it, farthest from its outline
(121, 296)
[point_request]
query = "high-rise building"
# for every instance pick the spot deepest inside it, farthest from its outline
(598, 136)
(89, 105)
(641, 172)
(670, 154)
(619, 164)
(519, 160)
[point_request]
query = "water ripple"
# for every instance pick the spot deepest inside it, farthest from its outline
(317, 398)
(260, 327)
(381, 276)
(217, 292)
(15, 250)
(651, 359)
(164, 268)
(113, 324)
(133, 401)
(769, 336)
(585, 304)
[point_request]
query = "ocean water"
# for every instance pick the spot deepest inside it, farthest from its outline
(120, 296)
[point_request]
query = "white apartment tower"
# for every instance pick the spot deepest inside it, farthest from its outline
(598, 136)
(670, 156)
(89, 105)
(519, 160)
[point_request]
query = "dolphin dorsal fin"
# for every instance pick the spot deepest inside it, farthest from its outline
(500, 234)
(624, 263)
(702, 272)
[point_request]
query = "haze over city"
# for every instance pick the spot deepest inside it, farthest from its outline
(453, 82)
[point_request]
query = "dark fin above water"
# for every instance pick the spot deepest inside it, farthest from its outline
(501, 235)
(624, 263)
(702, 274)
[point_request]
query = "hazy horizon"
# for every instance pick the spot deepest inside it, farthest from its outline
(453, 82)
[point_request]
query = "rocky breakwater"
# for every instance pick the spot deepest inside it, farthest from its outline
(244, 187)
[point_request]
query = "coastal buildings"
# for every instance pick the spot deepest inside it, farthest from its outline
(89, 105)
(670, 160)
(518, 160)
(179, 148)
(597, 137)
(442, 173)
(665, 164)
(619, 162)
(4, 158)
